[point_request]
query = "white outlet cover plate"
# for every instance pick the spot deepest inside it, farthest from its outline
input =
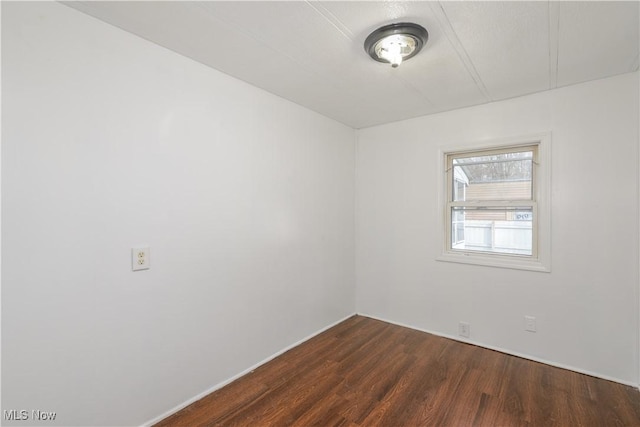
(140, 258)
(464, 329)
(530, 323)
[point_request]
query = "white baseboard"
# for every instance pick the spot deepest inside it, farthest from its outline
(510, 352)
(235, 377)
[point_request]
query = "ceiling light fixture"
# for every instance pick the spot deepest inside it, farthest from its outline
(396, 42)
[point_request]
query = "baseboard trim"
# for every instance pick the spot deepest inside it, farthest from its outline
(510, 352)
(245, 372)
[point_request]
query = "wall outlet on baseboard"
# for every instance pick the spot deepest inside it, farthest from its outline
(530, 323)
(464, 329)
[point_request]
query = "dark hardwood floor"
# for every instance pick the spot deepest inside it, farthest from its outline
(365, 372)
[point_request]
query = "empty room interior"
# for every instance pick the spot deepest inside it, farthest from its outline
(339, 213)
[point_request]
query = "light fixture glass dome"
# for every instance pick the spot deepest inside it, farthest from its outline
(396, 42)
(395, 48)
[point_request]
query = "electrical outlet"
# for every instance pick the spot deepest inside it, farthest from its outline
(530, 323)
(140, 259)
(464, 329)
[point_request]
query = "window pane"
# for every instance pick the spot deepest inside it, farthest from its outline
(506, 176)
(495, 230)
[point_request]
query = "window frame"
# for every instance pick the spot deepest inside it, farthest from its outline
(540, 260)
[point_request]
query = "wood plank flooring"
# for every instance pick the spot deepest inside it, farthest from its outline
(365, 372)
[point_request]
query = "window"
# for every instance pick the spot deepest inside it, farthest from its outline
(495, 205)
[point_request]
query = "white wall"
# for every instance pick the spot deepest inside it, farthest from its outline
(586, 308)
(246, 200)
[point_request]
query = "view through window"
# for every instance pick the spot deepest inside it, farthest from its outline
(491, 201)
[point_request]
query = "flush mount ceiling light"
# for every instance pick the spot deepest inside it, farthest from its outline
(396, 42)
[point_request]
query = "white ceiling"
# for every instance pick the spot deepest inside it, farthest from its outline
(311, 52)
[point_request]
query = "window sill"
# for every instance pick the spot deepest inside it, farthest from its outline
(495, 261)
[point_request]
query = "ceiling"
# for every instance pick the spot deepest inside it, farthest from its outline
(311, 52)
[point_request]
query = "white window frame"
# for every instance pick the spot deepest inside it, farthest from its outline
(540, 260)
